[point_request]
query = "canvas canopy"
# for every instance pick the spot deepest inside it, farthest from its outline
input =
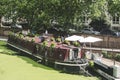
(89, 39)
(74, 38)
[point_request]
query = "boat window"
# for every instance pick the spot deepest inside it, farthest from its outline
(75, 53)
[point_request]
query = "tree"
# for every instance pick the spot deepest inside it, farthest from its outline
(99, 24)
(40, 14)
(3, 7)
(114, 7)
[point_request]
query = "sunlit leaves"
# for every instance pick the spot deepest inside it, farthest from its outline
(43, 12)
(114, 7)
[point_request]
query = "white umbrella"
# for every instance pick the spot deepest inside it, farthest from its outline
(90, 39)
(74, 38)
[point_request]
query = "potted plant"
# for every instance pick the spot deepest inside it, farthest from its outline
(76, 44)
(45, 43)
(52, 39)
(66, 42)
(52, 45)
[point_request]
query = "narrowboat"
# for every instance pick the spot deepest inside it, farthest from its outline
(57, 54)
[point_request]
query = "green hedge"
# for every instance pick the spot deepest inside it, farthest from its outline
(115, 56)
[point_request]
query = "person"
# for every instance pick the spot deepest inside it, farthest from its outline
(46, 32)
(42, 39)
(62, 38)
(84, 45)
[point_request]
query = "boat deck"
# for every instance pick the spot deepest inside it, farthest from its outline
(109, 63)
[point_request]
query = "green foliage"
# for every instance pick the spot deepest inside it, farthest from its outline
(41, 13)
(91, 63)
(4, 49)
(99, 24)
(21, 35)
(75, 43)
(45, 43)
(52, 39)
(58, 39)
(32, 40)
(31, 35)
(52, 45)
(37, 34)
(66, 42)
(3, 6)
(110, 56)
(105, 54)
(23, 68)
(114, 7)
(10, 33)
(117, 57)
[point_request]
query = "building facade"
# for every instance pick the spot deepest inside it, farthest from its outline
(115, 23)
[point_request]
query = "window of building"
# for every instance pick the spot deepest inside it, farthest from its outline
(116, 20)
(115, 28)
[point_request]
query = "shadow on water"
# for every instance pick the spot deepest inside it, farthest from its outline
(4, 46)
(31, 60)
(6, 49)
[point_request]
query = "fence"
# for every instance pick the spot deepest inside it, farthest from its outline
(107, 41)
